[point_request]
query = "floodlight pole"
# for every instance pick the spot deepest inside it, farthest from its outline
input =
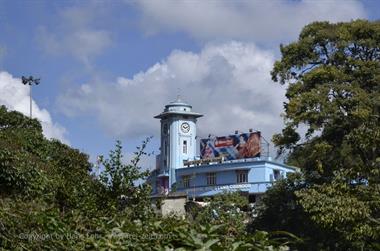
(30, 81)
(30, 98)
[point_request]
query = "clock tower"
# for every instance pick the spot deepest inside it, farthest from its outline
(178, 139)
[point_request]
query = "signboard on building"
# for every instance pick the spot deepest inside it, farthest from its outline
(238, 146)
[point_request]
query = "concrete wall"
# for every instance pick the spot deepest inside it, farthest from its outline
(257, 174)
(174, 205)
(226, 177)
(269, 171)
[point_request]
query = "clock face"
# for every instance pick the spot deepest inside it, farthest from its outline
(185, 127)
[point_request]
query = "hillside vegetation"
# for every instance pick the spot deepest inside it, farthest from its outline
(49, 200)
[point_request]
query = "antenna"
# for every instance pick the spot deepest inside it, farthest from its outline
(267, 145)
(178, 94)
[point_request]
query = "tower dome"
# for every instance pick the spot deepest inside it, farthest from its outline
(178, 107)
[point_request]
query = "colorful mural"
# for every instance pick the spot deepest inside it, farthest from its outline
(238, 146)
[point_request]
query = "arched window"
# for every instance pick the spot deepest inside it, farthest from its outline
(184, 146)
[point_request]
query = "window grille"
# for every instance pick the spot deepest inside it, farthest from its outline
(211, 179)
(242, 176)
(186, 181)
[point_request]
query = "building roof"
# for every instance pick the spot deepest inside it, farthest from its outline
(178, 107)
(178, 102)
(231, 165)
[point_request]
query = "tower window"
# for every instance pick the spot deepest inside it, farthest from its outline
(184, 150)
(242, 176)
(165, 148)
(165, 129)
(186, 181)
(211, 179)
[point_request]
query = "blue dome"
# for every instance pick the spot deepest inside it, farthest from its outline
(178, 107)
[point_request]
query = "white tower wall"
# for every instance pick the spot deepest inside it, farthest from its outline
(178, 137)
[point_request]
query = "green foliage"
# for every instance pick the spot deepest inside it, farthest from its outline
(280, 209)
(227, 209)
(119, 180)
(325, 202)
(178, 234)
(40, 181)
(333, 72)
(20, 149)
(225, 218)
(119, 177)
(333, 89)
(49, 200)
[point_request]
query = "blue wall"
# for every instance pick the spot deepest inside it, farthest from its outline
(260, 175)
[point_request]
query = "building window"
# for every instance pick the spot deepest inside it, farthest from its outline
(186, 181)
(242, 176)
(184, 147)
(211, 179)
(276, 174)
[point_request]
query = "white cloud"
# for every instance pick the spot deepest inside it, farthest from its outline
(77, 33)
(15, 96)
(146, 162)
(229, 83)
(258, 21)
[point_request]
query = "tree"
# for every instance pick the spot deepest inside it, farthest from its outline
(44, 185)
(225, 208)
(120, 181)
(21, 148)
(332, 75)
(280, 210)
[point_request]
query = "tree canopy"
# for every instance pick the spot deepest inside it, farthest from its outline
(332, 74)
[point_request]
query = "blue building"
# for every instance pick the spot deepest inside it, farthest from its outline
(179, 167)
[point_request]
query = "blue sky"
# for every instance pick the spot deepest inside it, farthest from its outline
(107, 67)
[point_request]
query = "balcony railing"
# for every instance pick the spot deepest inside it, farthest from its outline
(219, 160)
